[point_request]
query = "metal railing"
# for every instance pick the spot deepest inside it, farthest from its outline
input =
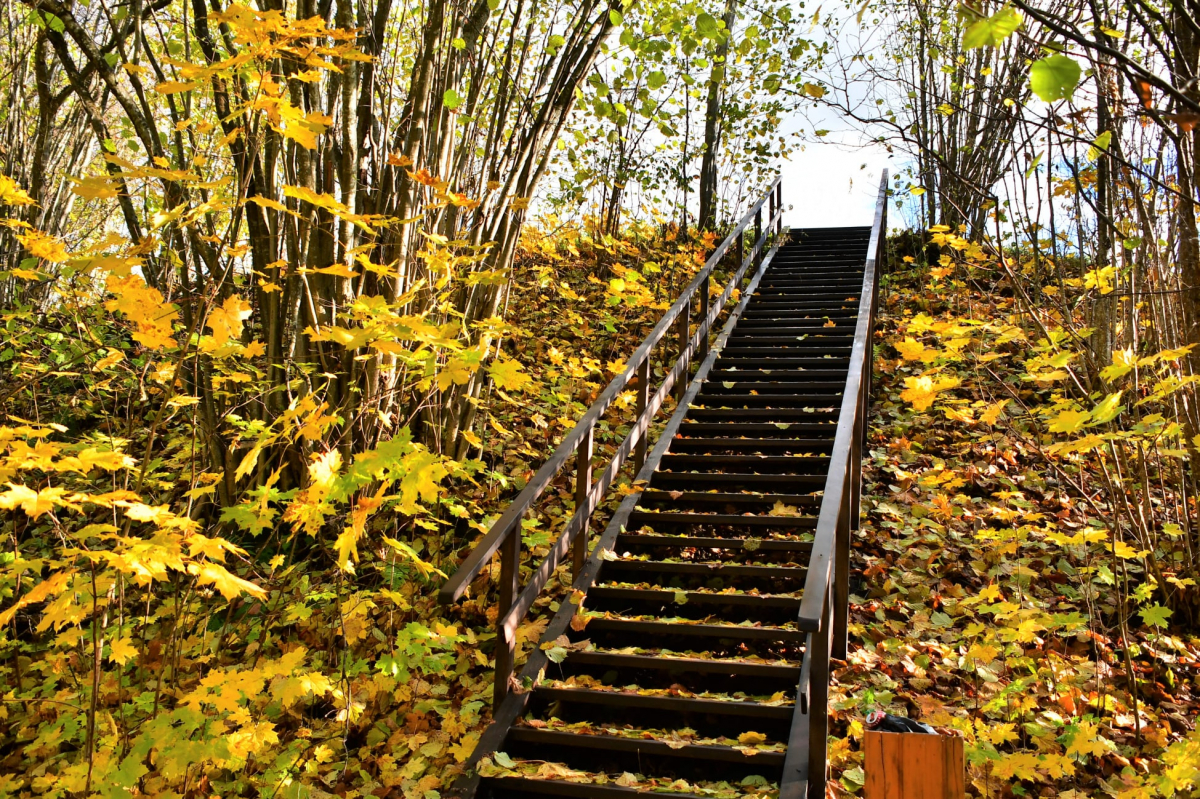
(824, 606)
(505, 534)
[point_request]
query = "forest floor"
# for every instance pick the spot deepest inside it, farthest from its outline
(354, 683)
(976, 604)
(984, 599)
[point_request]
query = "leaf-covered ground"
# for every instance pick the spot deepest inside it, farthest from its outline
(990, 583)
(336, 682)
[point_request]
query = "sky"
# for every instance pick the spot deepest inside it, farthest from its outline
(831, 185)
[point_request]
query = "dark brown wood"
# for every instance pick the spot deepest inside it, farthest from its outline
(729, 575)
(643, 399)
(683, 325)
(757, 236)
(510, 583)
(674, 704)
(583, 483)
(478, 558)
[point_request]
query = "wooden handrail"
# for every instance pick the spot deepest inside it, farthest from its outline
(824, 606)
(812, 605)
(505, 533)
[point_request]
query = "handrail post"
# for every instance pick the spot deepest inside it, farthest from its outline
(818, 705)
(684, 327)
(757, 237)
(841, 566)
(740, 254)
(705, 308)
(583, 482)
(779, 206)
(510, 583)
(643, 399)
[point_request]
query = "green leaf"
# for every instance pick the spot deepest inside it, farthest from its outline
(555, 43)
(451, 99)
(1107, 409)
(1033, 165)
(458, 44)
(706, 25)
(1054, 77)
(502, 759)
(1156, 615)
(1099, 146)
(615, 17)
(656, 79)
(991, 32)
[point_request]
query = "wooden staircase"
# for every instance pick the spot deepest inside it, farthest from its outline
(699, 660)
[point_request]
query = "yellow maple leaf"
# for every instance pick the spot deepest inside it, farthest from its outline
(1085, 444)
(44, 246)
(1126, 552)
(54, 584)
(293, 689)
(226, 322)
(267, 202)
(956, 415)
(1020, 765)
(122, 650)
(337, 270)
(752, 738)
(225, 581)
(1088, 741)
(174, 87)
(990, 594)
(97, 187)
(463, 749)
(508, 375)
(999, 734)
(11, 193)
(114, 357)
(34, 503)
(780, 509)
(145, 307)
(984, 653)
(91, 457)
(252, 739)
(1069, 421)
(922, 391)
(992, 413)
(328, 203)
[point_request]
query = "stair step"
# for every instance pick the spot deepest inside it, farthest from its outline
(537, 741)
(693, 597)
(668, 704)
(639, 518)
(702, 591)
(713, 569)
(516, 787)
(692, 498)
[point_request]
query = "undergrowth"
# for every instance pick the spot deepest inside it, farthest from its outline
(999, 589)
